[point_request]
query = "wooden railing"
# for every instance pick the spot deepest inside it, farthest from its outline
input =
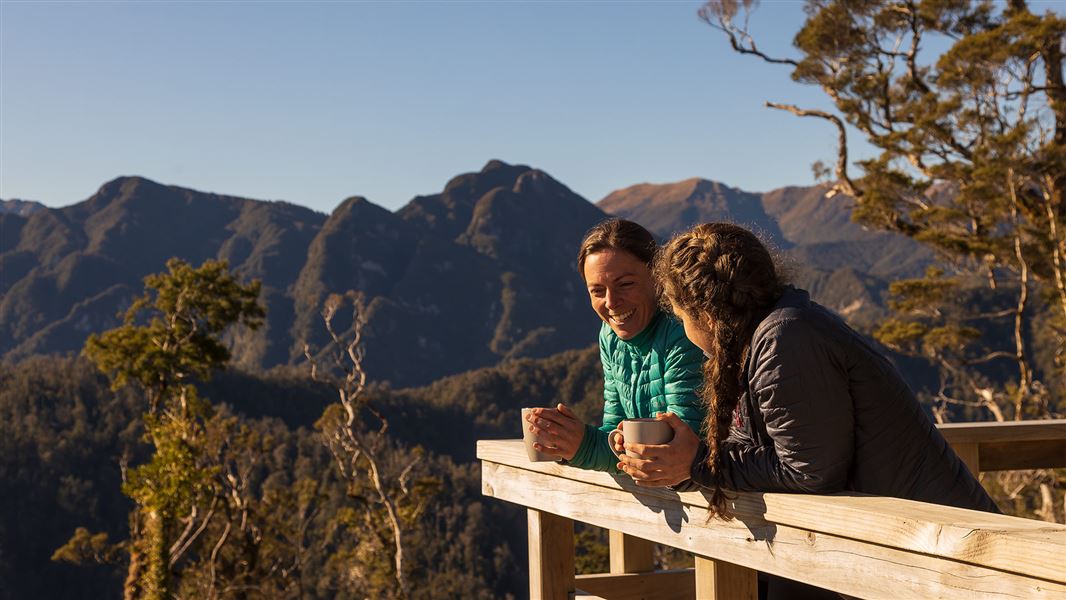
(1008, 445)
(863, 546)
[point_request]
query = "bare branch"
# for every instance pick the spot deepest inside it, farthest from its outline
(912, 54)
(719, 14)
(177, 552)
(844, 183)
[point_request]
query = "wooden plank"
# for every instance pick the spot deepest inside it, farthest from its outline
(972, 537)
(676, 584)
(1009, 445)
(551, 556)
(849, 566)
(721, 580)
(1004, 431)
(1038, 454)
(968, 452)
(631, 554)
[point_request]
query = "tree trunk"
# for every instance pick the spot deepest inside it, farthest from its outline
(131, 589)
(157, 576)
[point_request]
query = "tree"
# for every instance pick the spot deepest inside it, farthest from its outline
(971, 161)
(169, 340)
(387, 503)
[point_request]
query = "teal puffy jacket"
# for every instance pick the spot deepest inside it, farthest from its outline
(659, 370)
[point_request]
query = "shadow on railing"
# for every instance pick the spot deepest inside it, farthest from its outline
(862, 546)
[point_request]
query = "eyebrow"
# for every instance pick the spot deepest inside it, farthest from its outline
(622, 276)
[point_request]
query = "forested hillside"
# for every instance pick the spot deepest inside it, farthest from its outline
(64, 436)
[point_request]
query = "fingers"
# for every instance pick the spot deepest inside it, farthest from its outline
(649, 451)
(555, 416)
(672, 420)
(549, 430)
(546, 449)
(640, 465)
(651, 476)
(565, 410)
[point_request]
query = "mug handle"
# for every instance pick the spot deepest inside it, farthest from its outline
(610, 442)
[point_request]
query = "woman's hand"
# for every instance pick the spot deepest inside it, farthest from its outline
(662, 464)
(559, 432)
(618, 441)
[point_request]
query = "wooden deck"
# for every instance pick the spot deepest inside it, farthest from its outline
(862, 546)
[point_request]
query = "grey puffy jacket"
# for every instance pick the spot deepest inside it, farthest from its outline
(824, 412)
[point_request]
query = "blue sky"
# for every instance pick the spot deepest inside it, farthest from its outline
(312, 102)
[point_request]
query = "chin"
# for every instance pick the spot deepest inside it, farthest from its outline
(629, 330)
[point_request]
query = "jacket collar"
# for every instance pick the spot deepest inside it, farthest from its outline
(642, 341)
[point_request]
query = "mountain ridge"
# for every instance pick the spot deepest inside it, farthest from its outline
(479, 273)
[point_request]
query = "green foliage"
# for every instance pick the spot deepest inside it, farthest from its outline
(86, 548)
(62, 432)
(171, 338)
(592, 553)
(175, 477)
(970, 146)
(971, 162)
(187, 311)
(901, 335)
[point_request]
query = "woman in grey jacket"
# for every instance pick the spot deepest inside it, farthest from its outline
(797, 401)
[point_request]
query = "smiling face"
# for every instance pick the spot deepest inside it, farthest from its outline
(621, 290)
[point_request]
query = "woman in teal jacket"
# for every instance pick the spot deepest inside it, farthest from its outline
(649, 366)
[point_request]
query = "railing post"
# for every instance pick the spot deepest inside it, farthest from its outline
(720, 580)
(968, 452)
(631, 554)
(551, 556)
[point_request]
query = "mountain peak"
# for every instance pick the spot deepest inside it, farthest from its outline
(124, 184)
(535, 181)
(668, 208)
(22, 208)
(353, 201)
(449, 212)
(496, 164)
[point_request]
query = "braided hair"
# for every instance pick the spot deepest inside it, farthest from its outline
(724, 278)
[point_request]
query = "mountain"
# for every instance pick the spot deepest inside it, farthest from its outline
(824, 237)
(23, 208)
(844, 266)
(666, 209)
(462, 279)
(479, 273)
(69, 272)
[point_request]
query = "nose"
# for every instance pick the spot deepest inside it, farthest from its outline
(612, 300)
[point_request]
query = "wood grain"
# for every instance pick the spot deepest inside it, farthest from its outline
(849, 566)
(679, 584)
(721, 580)
(630, 554)
(551, 556)
(1004, 431)
(1009, 445)
(970, 537)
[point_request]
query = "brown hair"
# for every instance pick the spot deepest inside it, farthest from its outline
(618, 234)
(722, 276)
